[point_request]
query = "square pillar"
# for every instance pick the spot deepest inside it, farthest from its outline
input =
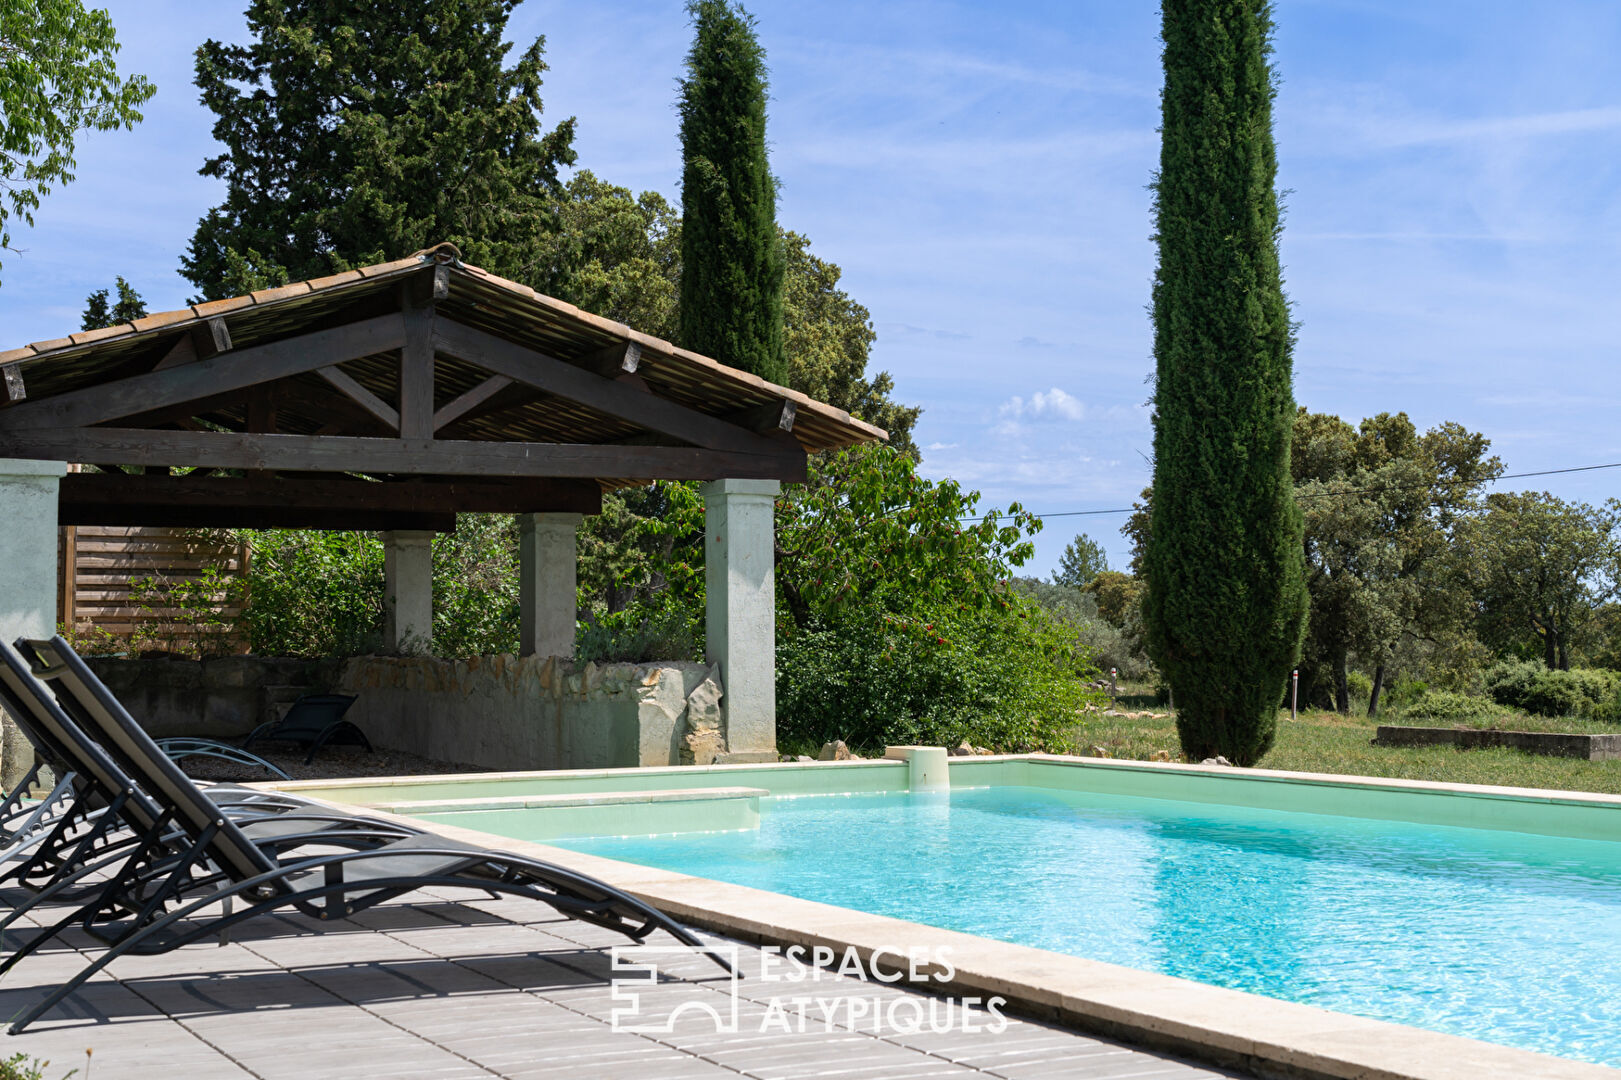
(408, 591)
(741, 610)
(547, 583)
(28, 551)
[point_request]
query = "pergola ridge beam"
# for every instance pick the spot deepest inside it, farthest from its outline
(442, 457)
(357, 393)
(236, 370)
(609, 396)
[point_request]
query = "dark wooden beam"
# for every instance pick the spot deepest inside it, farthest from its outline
(341, 453)
(768, 419)
(251, 517)
(416, 376)
(326, 492)
(361, 396)
(478, 395)
(199, 342)
(13, 378)
(605, 395)
(234, 371)
(428, 287)
(620, 358)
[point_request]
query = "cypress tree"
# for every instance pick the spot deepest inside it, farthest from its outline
(357, 131)
(731, 255)
(1226, 603)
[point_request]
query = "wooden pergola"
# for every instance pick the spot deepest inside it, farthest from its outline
(392, 397)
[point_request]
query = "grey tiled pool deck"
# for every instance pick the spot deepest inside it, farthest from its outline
(435, 987)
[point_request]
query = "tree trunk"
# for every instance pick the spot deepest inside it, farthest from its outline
(1378, 685)
(1342, 686)
(1550, 652)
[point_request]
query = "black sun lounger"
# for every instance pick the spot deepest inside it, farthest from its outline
(313, 720)
(267, 878)
(128, 832)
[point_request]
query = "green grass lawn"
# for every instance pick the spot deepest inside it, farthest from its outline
(1330, 743)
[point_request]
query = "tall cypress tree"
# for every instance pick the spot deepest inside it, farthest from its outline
(731, 255)
(357, 131)
(1226, 603)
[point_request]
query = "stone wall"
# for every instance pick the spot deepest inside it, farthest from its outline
(500, 712)
(506, 712)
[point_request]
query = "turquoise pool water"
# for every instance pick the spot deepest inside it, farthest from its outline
(1500, 936)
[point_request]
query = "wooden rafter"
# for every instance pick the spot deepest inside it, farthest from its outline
(236, 370)
(586, 388)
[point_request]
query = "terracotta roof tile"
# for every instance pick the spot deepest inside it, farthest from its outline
(54, 343)
(210, 308)
(282, 292)
(86, 336)
(11, 356)
(162, 319)
(317, 284)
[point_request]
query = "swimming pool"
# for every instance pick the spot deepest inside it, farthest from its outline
(1498, 935)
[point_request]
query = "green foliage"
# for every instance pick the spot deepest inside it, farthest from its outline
(1226, 604)
(1382, 504)
(617, 254)
(188, 616)
(475, 587)
(314, 593)
(1077, 610)
(1542, 570)
(1588, 693)
(58, 77)
(1446, 707)
(646, 545)
(731, 255)
(1080, 564)
(896, 621)
(664, 627)
(1005, 678)
(827, 340)
(356, 132)
(98, 314)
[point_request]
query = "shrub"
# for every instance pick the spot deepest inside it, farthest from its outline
(1444, 706)
(313, 593)
(1013, 685)
(1582, 692)
(1359, 685)
(670, 630)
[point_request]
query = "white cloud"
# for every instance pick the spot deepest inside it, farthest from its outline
(1052, 404)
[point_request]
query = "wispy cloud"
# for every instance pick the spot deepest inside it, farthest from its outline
(1054, 404)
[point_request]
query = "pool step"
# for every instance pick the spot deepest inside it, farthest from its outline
(614, 813)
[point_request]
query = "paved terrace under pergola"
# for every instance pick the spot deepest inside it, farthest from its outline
(389, 398)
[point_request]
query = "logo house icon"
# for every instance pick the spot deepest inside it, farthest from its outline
(645, 1006)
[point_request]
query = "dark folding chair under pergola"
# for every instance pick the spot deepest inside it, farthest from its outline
(314, 720)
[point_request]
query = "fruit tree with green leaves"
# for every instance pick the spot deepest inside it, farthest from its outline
(58, 77)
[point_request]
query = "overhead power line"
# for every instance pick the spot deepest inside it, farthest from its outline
(1351, 491)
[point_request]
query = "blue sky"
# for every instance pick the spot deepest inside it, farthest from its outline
(979, 172)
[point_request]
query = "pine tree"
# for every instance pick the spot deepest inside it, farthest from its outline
(731, 256)
(1226, 602)
(1083, 560)
(356, 132)
(98, 313)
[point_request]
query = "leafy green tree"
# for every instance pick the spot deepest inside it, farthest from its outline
(58, 77)
(1083, 559)
(828, 339)
(731, 255)
(99, 312)
(1544, 569)
(356, 132)
(897, 621)
(617, 254)
(1381, 506)
(1226, 604)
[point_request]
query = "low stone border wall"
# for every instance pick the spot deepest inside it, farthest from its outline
(1554, 744)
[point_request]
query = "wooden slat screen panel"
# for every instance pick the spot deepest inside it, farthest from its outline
(109, 560)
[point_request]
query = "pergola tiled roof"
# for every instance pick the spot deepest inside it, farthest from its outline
(458, 389)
